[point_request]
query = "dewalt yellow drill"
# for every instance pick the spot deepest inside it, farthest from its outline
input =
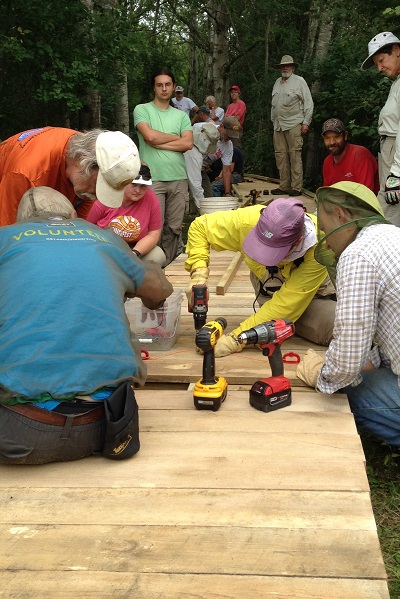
(210, 391)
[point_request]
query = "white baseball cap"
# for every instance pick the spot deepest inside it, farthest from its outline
(379, 41)
(119, 163)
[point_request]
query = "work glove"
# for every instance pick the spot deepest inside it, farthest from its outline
(392, 189)
(309, 368)
(197, 277)
(226, 345)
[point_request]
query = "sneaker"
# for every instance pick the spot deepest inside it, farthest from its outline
(294, 192)
(278, 191)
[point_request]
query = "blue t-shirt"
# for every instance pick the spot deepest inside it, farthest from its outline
(63, 326)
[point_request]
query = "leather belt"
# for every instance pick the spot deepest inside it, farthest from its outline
(55, 418)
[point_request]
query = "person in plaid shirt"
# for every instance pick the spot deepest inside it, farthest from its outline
(363, 358)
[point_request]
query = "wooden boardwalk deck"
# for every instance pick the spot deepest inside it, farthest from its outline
(230, 504)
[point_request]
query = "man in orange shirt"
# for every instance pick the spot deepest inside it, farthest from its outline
(82, 166)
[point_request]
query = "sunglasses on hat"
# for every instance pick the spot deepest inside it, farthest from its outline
(144, 177)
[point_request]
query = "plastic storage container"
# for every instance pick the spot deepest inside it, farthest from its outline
(156, 329)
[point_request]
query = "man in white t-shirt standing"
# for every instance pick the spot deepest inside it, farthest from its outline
(229, 129)
(182, 103)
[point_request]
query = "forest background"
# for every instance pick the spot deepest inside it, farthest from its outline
(86, 63)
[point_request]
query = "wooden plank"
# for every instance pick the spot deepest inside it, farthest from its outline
(182, 364)
(224, 283)
(136, 549)
(255, 421)
(127, 585)
(189, 507)
(303, 400)
(215, 461)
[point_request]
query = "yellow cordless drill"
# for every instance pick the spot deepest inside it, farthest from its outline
(210, 391)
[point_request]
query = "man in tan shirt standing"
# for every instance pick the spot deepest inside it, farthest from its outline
(291, 113)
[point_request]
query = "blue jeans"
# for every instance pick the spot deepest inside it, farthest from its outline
(218, 189)
(375, 404)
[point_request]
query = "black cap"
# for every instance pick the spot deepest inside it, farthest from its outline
(205, 109)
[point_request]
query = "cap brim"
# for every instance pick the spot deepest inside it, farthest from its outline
(142, 182)
(368, 63)
(262, 253)
(106, 194)
(232, 134)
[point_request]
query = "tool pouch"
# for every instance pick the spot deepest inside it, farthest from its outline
(121, 438)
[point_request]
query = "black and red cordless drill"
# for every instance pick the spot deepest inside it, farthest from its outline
(198, 305)
(273, 392)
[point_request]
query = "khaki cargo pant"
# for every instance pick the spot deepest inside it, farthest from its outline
(288, 146)
(316, 322)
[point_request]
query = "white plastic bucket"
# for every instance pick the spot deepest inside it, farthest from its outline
(208, 205)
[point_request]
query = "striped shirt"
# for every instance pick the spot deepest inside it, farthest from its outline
(368, 308)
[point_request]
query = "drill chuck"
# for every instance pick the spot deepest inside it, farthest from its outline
(262, 333)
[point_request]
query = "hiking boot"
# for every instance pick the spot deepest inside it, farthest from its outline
(278, 191)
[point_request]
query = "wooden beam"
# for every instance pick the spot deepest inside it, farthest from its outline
(224, 283)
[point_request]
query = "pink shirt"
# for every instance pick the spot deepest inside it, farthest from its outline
(237, 109)
(131, 222)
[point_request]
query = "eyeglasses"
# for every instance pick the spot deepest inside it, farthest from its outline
(144, 177)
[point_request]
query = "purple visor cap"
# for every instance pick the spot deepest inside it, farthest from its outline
(281, 224)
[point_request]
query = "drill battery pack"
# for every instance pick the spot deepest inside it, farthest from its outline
(271, 394)
(210, 397)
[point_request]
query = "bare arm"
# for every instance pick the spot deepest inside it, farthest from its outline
(155, 287)
(153, 137)
(148, 242)
(181, 144)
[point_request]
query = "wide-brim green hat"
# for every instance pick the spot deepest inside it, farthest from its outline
(362, 194)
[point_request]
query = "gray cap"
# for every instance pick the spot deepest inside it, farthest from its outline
(43, 200)
(386, 38)
(204, 109)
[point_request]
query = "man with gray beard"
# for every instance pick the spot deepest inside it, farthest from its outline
(291, 113)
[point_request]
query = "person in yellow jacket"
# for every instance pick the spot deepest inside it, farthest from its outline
(277, 243)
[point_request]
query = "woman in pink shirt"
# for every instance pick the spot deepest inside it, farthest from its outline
(138, 220)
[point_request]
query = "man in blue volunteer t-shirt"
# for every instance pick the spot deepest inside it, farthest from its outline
(66, 347)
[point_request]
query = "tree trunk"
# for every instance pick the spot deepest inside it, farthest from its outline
(122, 104)
(320, 35)
(193, 84)
(90, 114)
(219, 48)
